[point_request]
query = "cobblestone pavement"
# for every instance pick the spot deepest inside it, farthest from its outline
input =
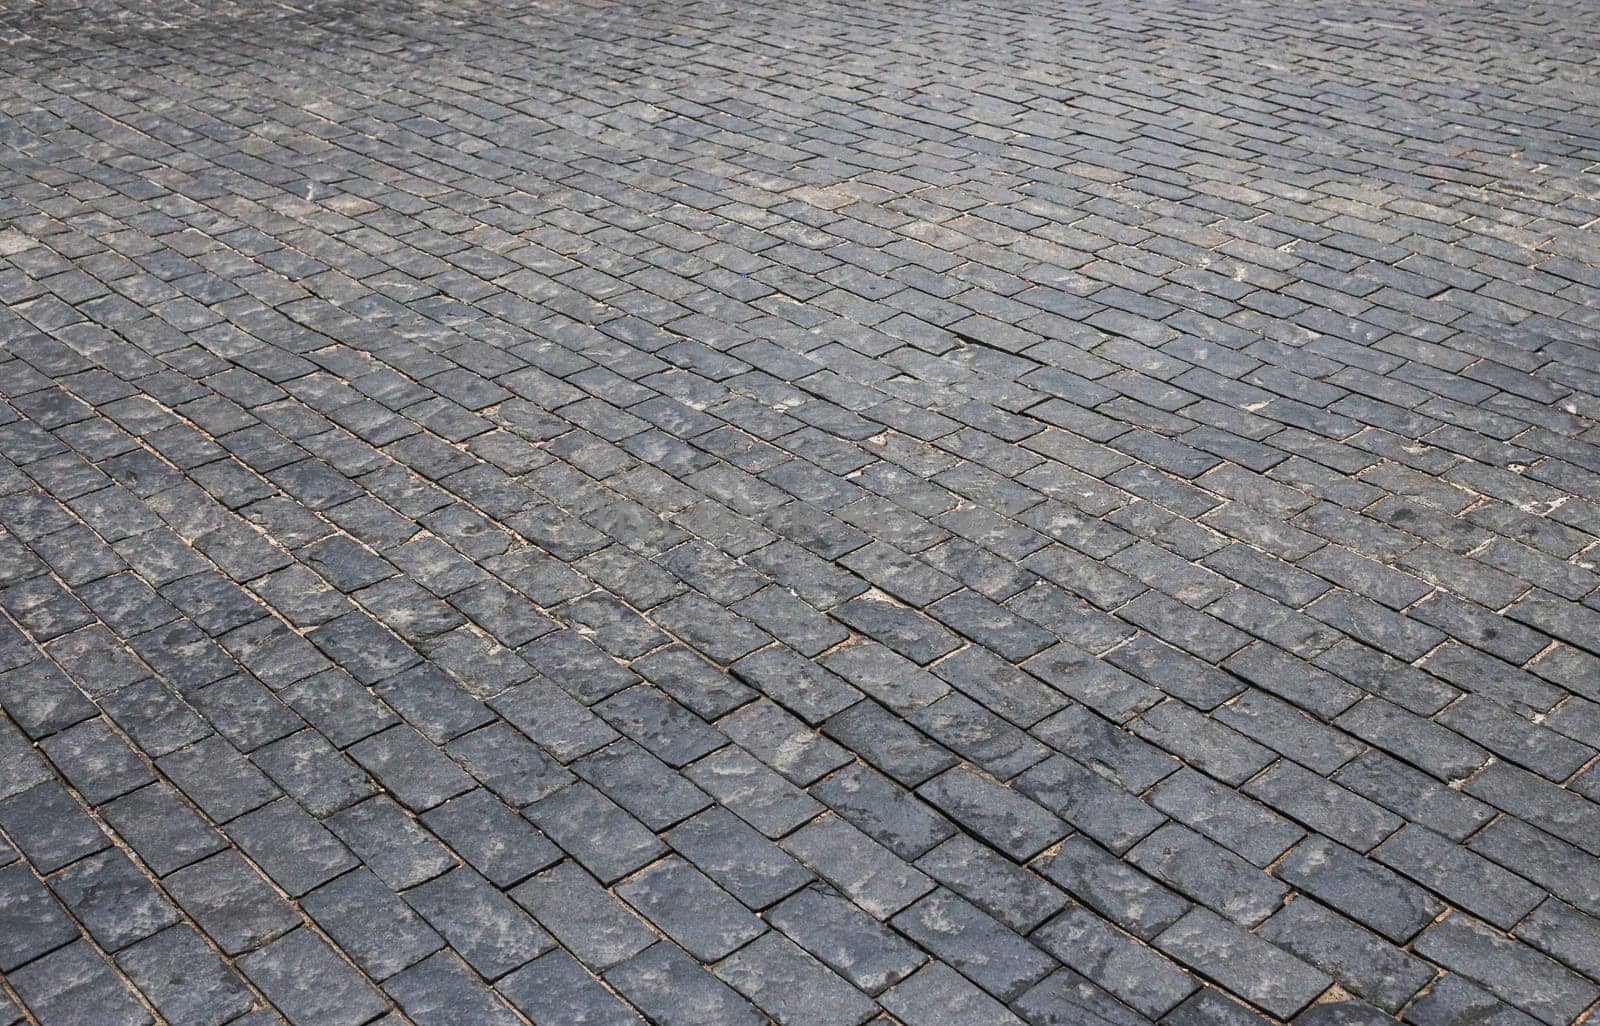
(951, 514)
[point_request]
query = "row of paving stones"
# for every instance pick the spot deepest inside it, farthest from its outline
(726, 515)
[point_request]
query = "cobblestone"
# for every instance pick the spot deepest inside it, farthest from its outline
(1007, 512)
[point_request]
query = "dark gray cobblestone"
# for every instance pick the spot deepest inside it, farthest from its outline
(1009, 512)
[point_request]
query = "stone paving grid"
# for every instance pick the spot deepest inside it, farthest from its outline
(928, 513)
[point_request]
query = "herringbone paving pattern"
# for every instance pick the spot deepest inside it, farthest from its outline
(954, 513)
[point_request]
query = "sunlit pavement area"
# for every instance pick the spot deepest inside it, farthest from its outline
(936, 513)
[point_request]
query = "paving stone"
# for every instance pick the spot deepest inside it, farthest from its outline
(96, 762)
(1557, 811)
(972, 731)
(1346, 817)
(747, 865)
(1515, 739)
(42, 699)
(1276, 671)
(1360, 961)
(116, 903)
(1194, 632)
(901, 575)
(1459, 875)
(1094, 742)
(791, 986)
(980, 948)
(796, 683)
(587, 920)
(789, 619)
(1173, 673)
(673, 989)
(232, 903)
(313, 772)
(553, 719)
(888, 743)
(481, 923)
(185, 980)
(1243, 963)
(360, 646)
(1210, 745)
(1521, 976)
(937, 994)
(853, 944)
(432, 703)
(501, 845)
(1343, 1012)
(1067, 669)
(1366, 891)
(885, 811)
(1247, 828)
(1455, 999)
(390, 843)
(1011, 894)
(892, 679)
(419, 775)
(1288, 731)
(339, 708)
(801, 453)
(1414, 795)
(49, 828)
(441, 989)
(555, 987)
(1432, 747)
(1066, 997)
(1366, 621)
(370, 922)
(296, 852)
(992, 625)
(722, 636)
(661, 726)
(595, 831)
(1207, 1007)
(213, 775)
(907, 632)
(701, 917)
(1116, 962)
(783, 742)
(156, 719)
(692, 681)
(1087, 801)
(34, 920)
(1116, 890)
(869, 874)
(1209, 873)
(754, 793)
(1564, 933)
(300, 974)
(507, 763)
(1477, 626)
(1471, 670)
(74, 984)
(1000, 816)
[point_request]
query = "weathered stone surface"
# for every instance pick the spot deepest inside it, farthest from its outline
(812, 513)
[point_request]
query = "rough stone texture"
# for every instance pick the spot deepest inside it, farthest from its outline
(695, 512)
